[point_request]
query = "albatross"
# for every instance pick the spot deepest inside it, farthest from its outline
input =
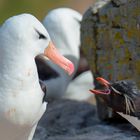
(22, 38)
(123, 97)
(63, 26)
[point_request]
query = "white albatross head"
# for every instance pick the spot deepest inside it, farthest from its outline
(26, 33)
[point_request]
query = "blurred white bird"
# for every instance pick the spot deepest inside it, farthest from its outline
(63, 25)
(22, 38)
(78, 88)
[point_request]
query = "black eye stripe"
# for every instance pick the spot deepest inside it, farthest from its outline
(41, 36)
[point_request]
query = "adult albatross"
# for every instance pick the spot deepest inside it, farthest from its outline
(63, 25)
(22, 38)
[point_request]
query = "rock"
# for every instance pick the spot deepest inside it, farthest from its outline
(73, 120)
(110, 35)
(119, 2)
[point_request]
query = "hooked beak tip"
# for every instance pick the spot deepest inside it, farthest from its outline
(71, 68)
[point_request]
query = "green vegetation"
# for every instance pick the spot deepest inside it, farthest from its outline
(39, 8)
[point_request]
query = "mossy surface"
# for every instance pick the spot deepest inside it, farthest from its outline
(114, 39)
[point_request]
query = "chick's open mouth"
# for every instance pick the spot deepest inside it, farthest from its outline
(106, 87)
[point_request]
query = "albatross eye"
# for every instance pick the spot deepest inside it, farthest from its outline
(41, 36)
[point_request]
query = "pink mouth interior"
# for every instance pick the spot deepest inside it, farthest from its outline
(106, 91)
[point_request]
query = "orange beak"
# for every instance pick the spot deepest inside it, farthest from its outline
(104, 83)
(52, 53)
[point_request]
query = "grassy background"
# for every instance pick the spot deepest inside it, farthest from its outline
(39, 8)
